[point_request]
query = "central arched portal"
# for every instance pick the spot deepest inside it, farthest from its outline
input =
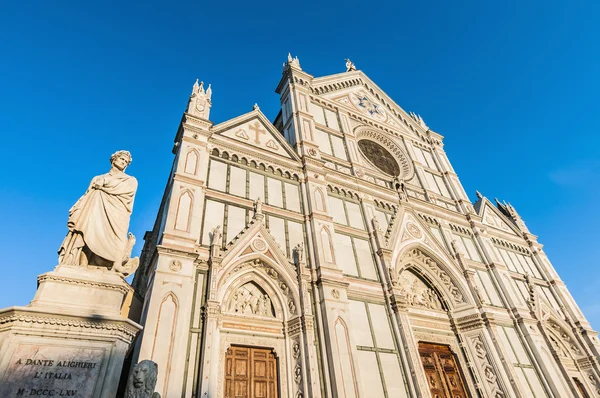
(431, 294)
(442, 371)
(250, 372)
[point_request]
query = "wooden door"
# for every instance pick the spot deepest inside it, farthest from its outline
(250, 373)
(442, 372)
(580, 388)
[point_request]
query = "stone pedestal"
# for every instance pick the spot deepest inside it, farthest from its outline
(71, 340)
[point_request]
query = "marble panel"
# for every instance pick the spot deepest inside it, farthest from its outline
(338, 147)
(369, 374)
(534, 381)
(382, 219)
(236, 221)
(296, 233)
(292, 197)
(257, 186)
(213, 216)
(277, 229)
(332, 121)
(336, 210)
(322, 140)
(317, 113)
(275, 192)
(360, 330)
(52, 370)
(381, 326)
(365, 259)
(394, 379)
(217, 177)
(344, 255)
(355, 215)
(237, 181)
(492, 293)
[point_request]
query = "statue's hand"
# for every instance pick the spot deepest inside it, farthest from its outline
(97, 183)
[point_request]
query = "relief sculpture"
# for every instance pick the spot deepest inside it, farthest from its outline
(418, 294)
(249, 299)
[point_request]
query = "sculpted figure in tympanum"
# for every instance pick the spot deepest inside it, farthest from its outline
(99, 221)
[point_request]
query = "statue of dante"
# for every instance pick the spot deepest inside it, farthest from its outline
(98, 222)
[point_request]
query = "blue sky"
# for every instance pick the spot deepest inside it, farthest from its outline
(513, 86)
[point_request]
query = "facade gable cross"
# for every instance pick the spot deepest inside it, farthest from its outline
(258, 131)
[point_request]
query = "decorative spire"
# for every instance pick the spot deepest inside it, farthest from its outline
(199, 103)
(349, 65)
(419, 120)
(509, 211)
(255, 107)
(479, 195)
(292, 62)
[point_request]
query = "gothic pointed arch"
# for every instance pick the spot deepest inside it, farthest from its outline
(253, 290)
(184, 210)
(344, 356)
(319, 200)
(443, 279)
(562, 339)
(191, 162)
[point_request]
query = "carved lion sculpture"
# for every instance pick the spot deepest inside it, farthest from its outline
(142, 381)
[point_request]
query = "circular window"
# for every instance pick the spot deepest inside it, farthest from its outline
(383, 153)
(379, 157)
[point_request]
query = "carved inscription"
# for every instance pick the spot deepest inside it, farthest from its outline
(52, 371)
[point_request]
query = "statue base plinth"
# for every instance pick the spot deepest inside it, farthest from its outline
(71, 340)
(95, 291)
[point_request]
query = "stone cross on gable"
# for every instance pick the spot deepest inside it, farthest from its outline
(258, 131)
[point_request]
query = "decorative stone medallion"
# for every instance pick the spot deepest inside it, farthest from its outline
(413, 230)
(258, 245)
(175, 266)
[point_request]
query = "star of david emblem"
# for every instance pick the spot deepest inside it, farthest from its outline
(368, 105)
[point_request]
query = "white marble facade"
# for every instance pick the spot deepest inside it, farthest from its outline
(363, 246)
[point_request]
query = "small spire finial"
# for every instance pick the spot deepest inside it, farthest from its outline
(479, 195)
(255, 107)
(291, 62)
(199, 102)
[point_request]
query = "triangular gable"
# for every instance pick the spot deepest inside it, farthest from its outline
(342, 89)
(255, 130)
(256, 239)
(409, 229)
(492, 217)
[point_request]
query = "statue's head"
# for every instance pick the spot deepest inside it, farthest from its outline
(142, 380)
(121, 159)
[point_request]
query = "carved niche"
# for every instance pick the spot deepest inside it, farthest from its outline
(250, 299)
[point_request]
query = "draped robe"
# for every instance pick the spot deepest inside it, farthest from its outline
(101, 215)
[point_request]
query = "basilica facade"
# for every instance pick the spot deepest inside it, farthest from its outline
(333, 252)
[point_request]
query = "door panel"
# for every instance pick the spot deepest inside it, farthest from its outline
(441, 369)
(250, 373)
